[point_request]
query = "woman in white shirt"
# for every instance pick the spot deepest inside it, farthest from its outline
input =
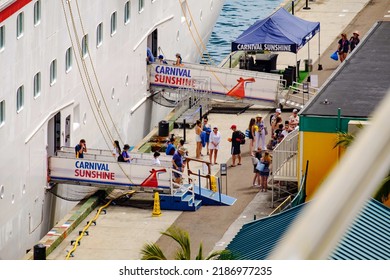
(117, 149)
(215, 139)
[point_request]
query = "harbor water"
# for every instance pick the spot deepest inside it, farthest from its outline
(236, 16)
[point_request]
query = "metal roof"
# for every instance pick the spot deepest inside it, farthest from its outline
(360, 82)
(366, 239)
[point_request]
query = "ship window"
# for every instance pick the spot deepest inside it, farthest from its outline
(2, 112)
(2, 37)
(19, 25)
(84, 46)
(113, 23)
(20, 99)
(68, 60)
(141, 5)
(53, 72)
(99, 35)
(127, 13)
(37, 84)
(37, 13)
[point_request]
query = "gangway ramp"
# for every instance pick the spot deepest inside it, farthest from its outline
(223, 83)
(99, 168)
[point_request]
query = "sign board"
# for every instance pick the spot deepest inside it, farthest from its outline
(238, 84)
(223, 169)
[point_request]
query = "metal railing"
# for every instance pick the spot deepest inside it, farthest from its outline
(284, 165)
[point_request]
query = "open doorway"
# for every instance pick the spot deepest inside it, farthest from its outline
(153, 42)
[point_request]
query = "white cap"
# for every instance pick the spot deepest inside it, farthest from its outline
(278, 110)
(295, 110)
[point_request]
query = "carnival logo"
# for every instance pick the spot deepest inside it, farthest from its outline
(93, 170)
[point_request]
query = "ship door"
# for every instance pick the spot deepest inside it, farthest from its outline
(54, 134)
(67, 132)
(153, 42)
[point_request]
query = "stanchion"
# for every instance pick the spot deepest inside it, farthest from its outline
(184, 130)
(307, 5)
(39, 252)
(292, 7)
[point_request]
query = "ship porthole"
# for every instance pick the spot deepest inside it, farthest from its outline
(24, 189)
(112, 93)
(85, 118)
(13, 199)
(177, 36)
(117, 102)
(127, 80)
(201, 15)
(2, 192)
(211, 5)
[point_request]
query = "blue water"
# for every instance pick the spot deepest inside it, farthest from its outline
(235, 18)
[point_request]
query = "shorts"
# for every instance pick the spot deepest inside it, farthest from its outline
(264, 173)
(177, 175)
(236, 149)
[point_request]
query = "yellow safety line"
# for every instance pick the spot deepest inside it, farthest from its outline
(76, 243)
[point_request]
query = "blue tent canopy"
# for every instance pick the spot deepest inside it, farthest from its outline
(281, 31)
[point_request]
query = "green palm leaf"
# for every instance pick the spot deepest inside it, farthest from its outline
(151, 251)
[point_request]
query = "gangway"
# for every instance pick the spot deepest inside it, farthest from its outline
(223, 83)
(99, 168)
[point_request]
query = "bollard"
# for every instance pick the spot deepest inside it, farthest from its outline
(39, 252)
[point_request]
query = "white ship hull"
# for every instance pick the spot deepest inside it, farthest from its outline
(103, 101)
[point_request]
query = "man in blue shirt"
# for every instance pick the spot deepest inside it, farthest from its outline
(178, 164)
(170, 150)
(80, 149)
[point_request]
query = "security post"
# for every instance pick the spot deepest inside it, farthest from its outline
(223, 172)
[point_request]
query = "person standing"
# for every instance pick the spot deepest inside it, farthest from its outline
(215, 139)
(293, 120)
(354, 41)
(198, 139)
(179, 61)
(273, 120)
(260, 133)
(80, 149)
(255, 161)
(125, 153)
(343, 47)
(178, 164)
(235, 151)
(117, 149)
(266, 160)
(207, 129)
(252, 127)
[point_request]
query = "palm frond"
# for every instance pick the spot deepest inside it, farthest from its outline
(344, 139)
(199, 256)
(181, 237)
(152, 251)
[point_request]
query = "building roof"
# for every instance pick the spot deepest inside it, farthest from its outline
(361, 81)
(366, 239)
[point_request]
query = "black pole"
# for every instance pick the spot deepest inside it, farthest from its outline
(307, 5)
(184, 130)
(200, 112)
(292, 7)
(39, 252)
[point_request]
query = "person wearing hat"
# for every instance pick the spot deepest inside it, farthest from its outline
(260, 133)
(236, 151)
(343, 47)
(215, 139)
(354, 41)
(275, 120)
(125, 154)
(161, 59)
(178, 164)
(293, 120)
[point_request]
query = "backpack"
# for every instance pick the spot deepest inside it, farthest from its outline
(120, 158)
(241, 136)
